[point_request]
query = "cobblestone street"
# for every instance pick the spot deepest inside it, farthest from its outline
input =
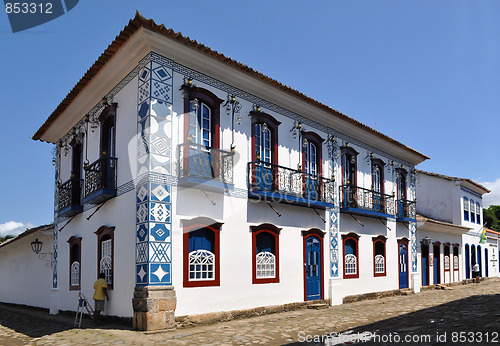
(423, 317)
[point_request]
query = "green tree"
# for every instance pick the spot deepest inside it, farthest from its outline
(491, 217)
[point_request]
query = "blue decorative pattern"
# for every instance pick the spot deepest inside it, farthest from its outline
(154, 171)
(334, 243)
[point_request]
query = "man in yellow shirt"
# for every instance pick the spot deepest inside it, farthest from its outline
(100, 292)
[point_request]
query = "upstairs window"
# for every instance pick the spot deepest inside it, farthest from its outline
(264, 137)
(466, 209)
(105, 250)
(75, 253)
(349, 167)
(265, 254)
(202, 118)
(379, 255)
(401, 183)
(472, 211)
(478, 213)
(311, 158)
(108, 130)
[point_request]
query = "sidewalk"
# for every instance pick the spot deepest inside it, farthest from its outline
(432, 313)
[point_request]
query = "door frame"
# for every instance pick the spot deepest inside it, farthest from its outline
(313, 232)
(406, 242)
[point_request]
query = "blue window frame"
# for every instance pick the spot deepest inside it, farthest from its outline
(472, 211)
(466, 209)
(478, 213)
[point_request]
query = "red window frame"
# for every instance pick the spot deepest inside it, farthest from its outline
(192, 225)
(75, 241)
(102, 233)
(380, 239)
(348, 151)
(354, 237)
(275, 232)
(212, 101)
(272, 125)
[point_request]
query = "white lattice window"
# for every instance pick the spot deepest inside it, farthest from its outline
(379, 264)
(446, 262)
(350, 264)
(266, 264)
(201, 265)
(455, 262)
(75, 273)
(106, 267)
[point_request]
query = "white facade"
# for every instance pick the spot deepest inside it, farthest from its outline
(160, 215)
(26, 277)
(451, 210)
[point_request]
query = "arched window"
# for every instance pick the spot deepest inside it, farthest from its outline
(379, 255)
(478, 213)
(466, 209)
(265, 253)
(201, 252)
(108, 130)
(349, 166)
(468, 266)
(472, 211)
(75, 253)
(105, 250)
(351, 263)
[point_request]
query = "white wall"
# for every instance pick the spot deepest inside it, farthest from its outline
(26, 279)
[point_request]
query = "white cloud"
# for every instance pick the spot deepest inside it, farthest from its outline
(13, 228)
(492, 198)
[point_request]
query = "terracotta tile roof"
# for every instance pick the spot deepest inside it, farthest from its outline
(442, 176)
(139, 21)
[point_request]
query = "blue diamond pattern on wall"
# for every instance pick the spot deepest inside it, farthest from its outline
(160, 231)
(142, 271)
(161, 73)
(160, 273)
(142, 231)
(154, 154)
(162, 91)
(160, 193)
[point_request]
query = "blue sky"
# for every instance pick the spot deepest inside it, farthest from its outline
(425, 73)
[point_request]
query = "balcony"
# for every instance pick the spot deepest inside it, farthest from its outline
(407, 210)
(100, 180)
(208, 168)
(275, 183)
(365, 202)
(69, 198)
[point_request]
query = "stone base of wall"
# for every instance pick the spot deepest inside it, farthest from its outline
(377, 295)
(154, 308)
(222, 316)
(451, 284)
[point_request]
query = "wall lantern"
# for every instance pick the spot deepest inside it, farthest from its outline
(426, 241)
(233, 106)
(36, 246)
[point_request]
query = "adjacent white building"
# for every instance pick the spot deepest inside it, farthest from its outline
(450, 228)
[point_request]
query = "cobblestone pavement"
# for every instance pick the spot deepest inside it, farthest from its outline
(473, 310)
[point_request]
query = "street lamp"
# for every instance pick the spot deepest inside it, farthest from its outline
(36, 246)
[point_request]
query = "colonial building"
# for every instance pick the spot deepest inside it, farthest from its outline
(450, 228)
(197, 184)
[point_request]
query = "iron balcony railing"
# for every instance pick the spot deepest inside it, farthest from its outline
(282, 182)
(359, 198)
(406, 209)
(100, 175)
(198, 161)
(70, 194)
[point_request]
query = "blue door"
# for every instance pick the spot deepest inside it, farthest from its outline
(485, 262)
(425, 280)
(467, 262)
(313, 268)
(437, 268)
(479, 261)
(403, 265)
